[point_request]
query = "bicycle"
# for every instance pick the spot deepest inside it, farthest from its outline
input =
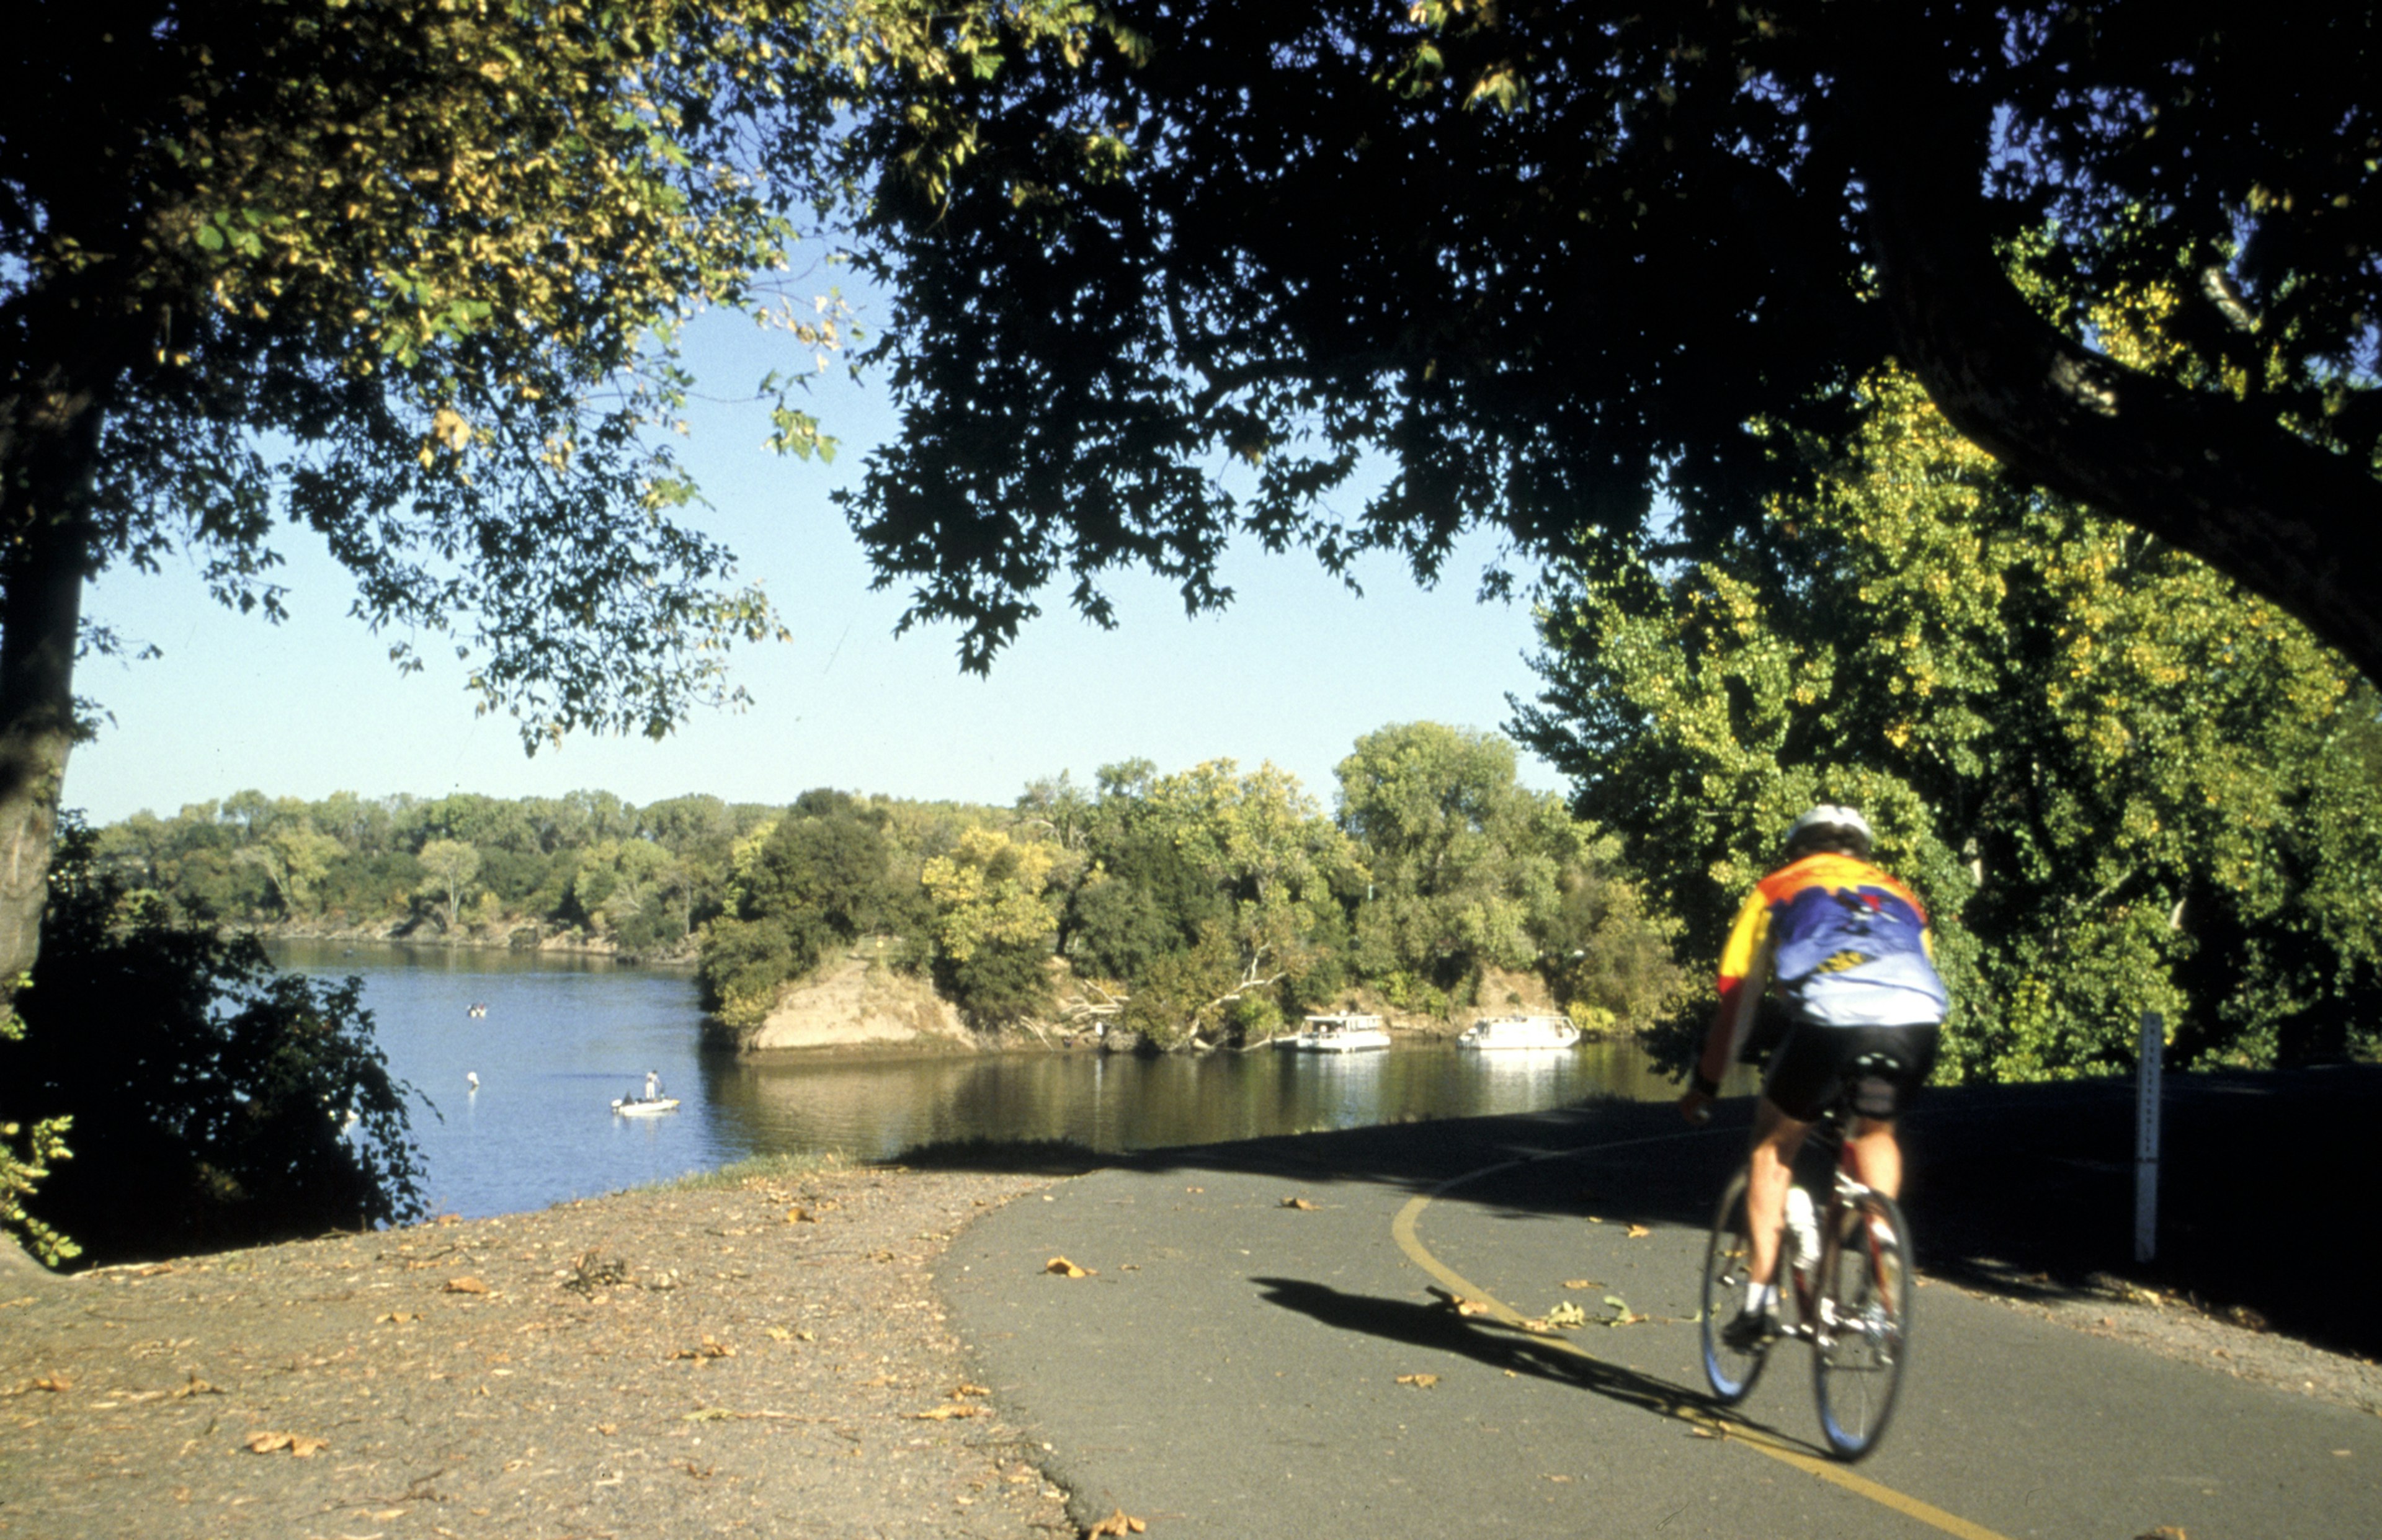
(1849, 1284)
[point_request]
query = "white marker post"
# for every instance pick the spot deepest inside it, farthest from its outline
(2146, 1136)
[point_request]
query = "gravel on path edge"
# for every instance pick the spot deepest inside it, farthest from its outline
(764, 1359)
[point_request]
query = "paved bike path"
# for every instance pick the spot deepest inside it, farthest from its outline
(1233, 1365)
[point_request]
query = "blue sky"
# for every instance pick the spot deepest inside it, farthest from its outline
(1292, 672)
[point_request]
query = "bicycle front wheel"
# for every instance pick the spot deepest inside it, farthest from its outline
(1727, 1257)
(1862, 1338)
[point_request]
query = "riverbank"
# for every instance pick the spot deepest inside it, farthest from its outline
(766, 1356)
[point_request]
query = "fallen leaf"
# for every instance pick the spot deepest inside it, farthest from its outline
(1194, 1189)
(1639, 1232)
(54, 1382)
(710, 1348)
(1594, 1220)
(466, 1286)
(298, 1444)
(805, 1336)
(1580, 1283)
(1119, 1522)
(780, 1334)
(798, 1214)
(450, 1220)
(1300, 1204)
(2165, 1532)
(1421, 1382)
(1566, 1315)
(1065, 1268)
(958, 1390)
(198, 1388)
(1705, 1433)
(1458, 1302)
(945, 1412)
(1557, 1478)
(607, 1429)
(709, 1414)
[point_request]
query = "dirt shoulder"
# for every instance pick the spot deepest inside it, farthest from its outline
(767, 1359)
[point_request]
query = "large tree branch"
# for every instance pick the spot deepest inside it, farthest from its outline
(2216, 476)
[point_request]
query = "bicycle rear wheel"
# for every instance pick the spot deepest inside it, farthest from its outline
(1862, 1338)
(1727, 1255)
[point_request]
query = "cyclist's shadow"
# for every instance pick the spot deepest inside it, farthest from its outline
(1484, 1340)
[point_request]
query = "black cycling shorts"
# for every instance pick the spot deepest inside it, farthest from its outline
(1808, 1075)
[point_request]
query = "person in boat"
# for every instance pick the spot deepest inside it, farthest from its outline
(653, 1085)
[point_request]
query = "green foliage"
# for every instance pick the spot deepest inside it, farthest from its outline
(1407, 269)
(208, 1092)
(745, 960)
(1468, 870)
(2120, 782)
(23, 1166)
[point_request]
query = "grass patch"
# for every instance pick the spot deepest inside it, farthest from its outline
(754, 1170)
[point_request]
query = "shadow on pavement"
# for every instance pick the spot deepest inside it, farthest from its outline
(2024, 1190)
(1440, 1329)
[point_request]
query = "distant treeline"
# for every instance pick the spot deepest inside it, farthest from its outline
(1203, 906)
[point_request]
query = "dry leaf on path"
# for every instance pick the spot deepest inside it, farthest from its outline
(198, 1388)
(1639, 1232)
(946, 1411)
(1065, 1268)
(2165, 1532)
(1300, 1204)
(1458, 1302)
(1119, 1522)
(1566, 1315)
(1581, 1283)
(54, 1382)
(798, 1214)
(397, 1318)
(298, 1444)
(466, 1286)
(958, 1390)
(779, 1334)
(710, 1348)
(1421, 1382)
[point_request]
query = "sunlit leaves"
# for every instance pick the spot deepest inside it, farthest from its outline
(2120, 782)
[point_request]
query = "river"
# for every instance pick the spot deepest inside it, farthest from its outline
(562, 1035)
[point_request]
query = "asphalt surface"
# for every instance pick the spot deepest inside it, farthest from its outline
(1232, 1366)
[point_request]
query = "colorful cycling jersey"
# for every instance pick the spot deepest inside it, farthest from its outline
(1846, 944)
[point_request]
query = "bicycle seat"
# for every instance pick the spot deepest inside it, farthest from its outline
(1870, 1082)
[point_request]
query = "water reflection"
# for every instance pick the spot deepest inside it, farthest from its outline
(563, 1035)
(879, 1106)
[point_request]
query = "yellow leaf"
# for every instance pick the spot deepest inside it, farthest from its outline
(1421, 1382)
(466, 1286)
(1300, 1204)
(1639, 1232)
(1065, 1268)
(946, 1411)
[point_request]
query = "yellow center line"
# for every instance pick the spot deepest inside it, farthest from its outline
(1401, 1231)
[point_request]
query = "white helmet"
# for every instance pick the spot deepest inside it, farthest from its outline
(1843, 824)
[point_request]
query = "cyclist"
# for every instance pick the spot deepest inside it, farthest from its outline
(1846, 948)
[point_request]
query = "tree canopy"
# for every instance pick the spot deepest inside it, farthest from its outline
(2120, 782)
(1358, 276)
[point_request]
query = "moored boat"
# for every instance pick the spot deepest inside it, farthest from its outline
(1339, 1035)
(1511, 1032)
(643, 1107)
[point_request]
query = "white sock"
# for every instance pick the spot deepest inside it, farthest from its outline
(1762, 1298)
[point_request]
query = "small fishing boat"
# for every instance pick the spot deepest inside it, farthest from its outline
(643, 1107)
(1503, 1033)
(1339, 1035)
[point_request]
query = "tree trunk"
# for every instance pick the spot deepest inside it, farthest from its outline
(2218, 477)
(48, 458)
